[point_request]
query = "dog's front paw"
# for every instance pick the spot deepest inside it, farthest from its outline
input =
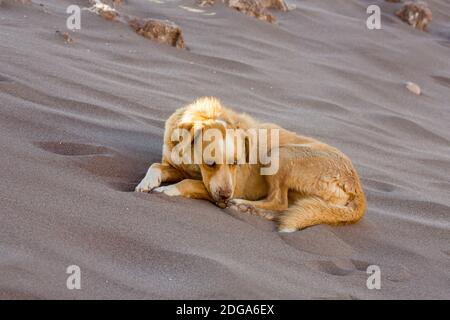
(171, 190)
(245, 206)
(241, 205)
(150, 182)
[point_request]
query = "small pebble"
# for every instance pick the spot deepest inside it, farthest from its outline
(413, 87)
(65, 35)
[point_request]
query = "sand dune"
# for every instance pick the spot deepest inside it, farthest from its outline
(81, 122)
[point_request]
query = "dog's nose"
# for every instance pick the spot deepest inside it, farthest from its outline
(224, 194)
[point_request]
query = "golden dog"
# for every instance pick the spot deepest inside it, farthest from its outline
(315, 183)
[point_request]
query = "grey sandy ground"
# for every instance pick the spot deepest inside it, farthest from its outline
(80, 123)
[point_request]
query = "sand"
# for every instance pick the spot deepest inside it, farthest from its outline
(81, 122)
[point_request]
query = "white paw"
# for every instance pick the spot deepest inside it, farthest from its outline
(242, 206)
(151, 180)
(171, 190)
(287, 230)
(236, 202)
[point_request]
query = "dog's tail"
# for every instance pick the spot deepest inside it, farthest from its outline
(310, 211)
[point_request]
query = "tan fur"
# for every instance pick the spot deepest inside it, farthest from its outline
(315, 183)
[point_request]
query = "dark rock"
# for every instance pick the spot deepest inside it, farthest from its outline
(416, 14)
(257, 8)
(158, 30)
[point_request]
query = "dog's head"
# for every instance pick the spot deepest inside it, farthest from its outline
(213, 145)
(219, 162)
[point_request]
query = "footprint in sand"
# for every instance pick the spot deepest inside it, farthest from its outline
(361, 265)
(4, 79)
(444, 43)
(123, 186)
(335, 267)
(392, 273)
(320, 240)
(72, 149)
(395, 274)
(443, 81)
(117, 171)
(347, 267)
